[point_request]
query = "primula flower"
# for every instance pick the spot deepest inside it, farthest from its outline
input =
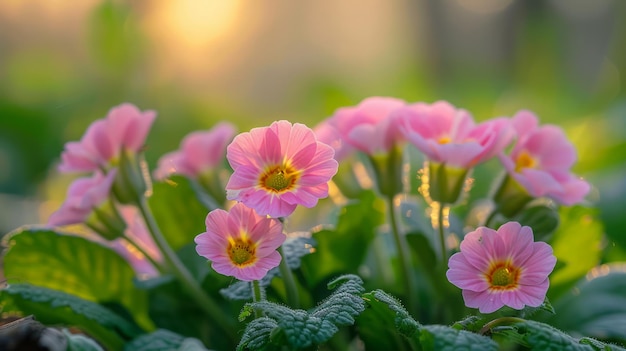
(448, 135)
(279, 167)
(199, 152)
(240, 243)
(124, 128)
(503, 267)
(541, 159)
(83, 196)
(326, 132)
(370, 126)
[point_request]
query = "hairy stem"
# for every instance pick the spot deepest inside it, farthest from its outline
(405, 266)
(293, 299)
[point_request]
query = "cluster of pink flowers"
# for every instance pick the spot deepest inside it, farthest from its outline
(90, 199)
(278, 167)
(540, 161)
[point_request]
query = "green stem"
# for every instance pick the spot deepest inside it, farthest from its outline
(442, 232)
(257, 295)
(405, 269)
(177, 268)
(159, 267)
(499, 321)
(290, 284)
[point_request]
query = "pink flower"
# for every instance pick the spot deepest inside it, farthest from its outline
(240, 243)
(83, 195)
(370, 126)
(125, 127)
(328, 134)
(199, 152)
(503, 267)
(279, 167)
(541, 160)
(449, 135)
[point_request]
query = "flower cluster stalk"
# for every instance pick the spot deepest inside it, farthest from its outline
(405, 268)
(290, 284)
(176, 267)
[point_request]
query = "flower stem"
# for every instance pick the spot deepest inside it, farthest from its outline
(290, 284)
(442, 231)
(257, 295)
(176, 267)
(159, 267)
(405, 269)
(499, 321)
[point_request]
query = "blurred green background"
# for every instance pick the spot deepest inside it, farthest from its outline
(251, 62)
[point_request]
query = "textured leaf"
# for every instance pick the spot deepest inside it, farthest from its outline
(302, 329)
(294, 249)
(178, 211)
(164, 340)
(540, 336)
(595, 307)
(76, 266)
(580, 231)
(443, 338)
(385, 324)
(57, 307)
(258, 334)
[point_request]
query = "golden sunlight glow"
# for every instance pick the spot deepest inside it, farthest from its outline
(196, 23)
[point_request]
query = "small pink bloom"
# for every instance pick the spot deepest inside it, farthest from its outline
(328, 134)
(199, 152)
(83, 195)
(370, 126)
(503, 267)
(541, 160)
(279, 167)
(240, 243)
(136, 231)
(125, 127)
(449, 135)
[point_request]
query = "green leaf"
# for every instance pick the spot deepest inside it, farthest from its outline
(57, 307)
(76, 266)
(79, 342)
(540, 336)
(595, 307)
(294, 249)
(164, 340)
(385, 324)
(258, 334)
(580, 231)
(302, 329)
(444, 338)
(344, 248)
(178, 211)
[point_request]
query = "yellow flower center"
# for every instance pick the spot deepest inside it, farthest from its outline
(503, 276)
(444, 140)
(279, 178)
(524, 160)
(241, 251)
